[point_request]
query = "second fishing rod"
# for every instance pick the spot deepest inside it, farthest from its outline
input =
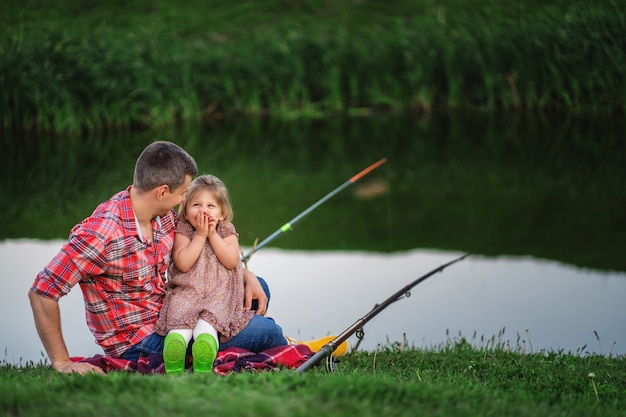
(327, 350)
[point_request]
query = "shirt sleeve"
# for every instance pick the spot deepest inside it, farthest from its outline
(226, 229)
(185, 229)
(82, 256)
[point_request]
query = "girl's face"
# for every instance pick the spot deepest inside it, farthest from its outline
(203, 201)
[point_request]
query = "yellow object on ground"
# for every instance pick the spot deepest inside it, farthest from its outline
(317, 344)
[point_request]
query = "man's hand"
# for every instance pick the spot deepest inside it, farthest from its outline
(254, 291)
(81, 368)
(48, 323)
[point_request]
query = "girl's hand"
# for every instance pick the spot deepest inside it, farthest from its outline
(212, 224)
(202, 224)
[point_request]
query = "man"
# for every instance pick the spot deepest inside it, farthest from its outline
(119, 256)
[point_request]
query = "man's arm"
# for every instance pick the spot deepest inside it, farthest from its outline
(48, 322)
(254, 291)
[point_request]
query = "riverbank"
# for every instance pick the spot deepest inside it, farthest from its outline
(455, 380)
(75, 67)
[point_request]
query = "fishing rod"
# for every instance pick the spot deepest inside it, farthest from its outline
(288, 226)
(329, 348)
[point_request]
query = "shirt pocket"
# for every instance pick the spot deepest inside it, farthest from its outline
(138, 271)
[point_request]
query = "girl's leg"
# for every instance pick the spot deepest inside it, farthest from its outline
(261, 333)
(205, 346)
(175, 350)
(204, 327)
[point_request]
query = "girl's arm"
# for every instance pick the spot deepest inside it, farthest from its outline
(226, 249)
(186, 252)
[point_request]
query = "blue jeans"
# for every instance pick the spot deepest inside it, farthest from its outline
(261, 333)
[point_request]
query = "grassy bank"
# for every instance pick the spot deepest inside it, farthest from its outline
(452, 380)
(73, 66)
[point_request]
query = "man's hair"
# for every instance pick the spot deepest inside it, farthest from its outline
(161, 163)
(217, 187)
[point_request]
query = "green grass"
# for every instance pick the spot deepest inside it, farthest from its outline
(74, 66)
(455, 379)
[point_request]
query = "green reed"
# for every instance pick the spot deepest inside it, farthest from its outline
(566, 58)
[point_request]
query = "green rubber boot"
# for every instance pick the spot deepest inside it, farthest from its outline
(204, 352)
(174, 353)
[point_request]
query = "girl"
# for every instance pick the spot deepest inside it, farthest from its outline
(206, 287)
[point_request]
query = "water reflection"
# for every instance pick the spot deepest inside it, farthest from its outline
(481, 182)
(540, 304)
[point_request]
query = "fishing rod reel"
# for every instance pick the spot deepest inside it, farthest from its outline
(330, 360)
(331, 363)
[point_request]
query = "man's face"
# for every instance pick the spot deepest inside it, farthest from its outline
(173, 198)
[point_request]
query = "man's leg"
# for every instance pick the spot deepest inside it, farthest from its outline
(151, 344)
(261, 333)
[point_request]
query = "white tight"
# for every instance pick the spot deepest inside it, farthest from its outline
(201, 327)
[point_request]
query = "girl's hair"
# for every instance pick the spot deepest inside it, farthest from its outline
(161, 163)
(217, 187)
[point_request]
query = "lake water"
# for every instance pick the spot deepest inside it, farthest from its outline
(533, 304)
(539, 200)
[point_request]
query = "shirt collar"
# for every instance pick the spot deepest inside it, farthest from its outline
(130, 217)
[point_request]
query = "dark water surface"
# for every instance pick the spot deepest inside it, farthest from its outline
(538, 201)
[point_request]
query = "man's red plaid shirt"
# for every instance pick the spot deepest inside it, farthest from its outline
(121, 276)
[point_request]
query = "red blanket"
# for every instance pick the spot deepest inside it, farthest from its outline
(229, 360)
